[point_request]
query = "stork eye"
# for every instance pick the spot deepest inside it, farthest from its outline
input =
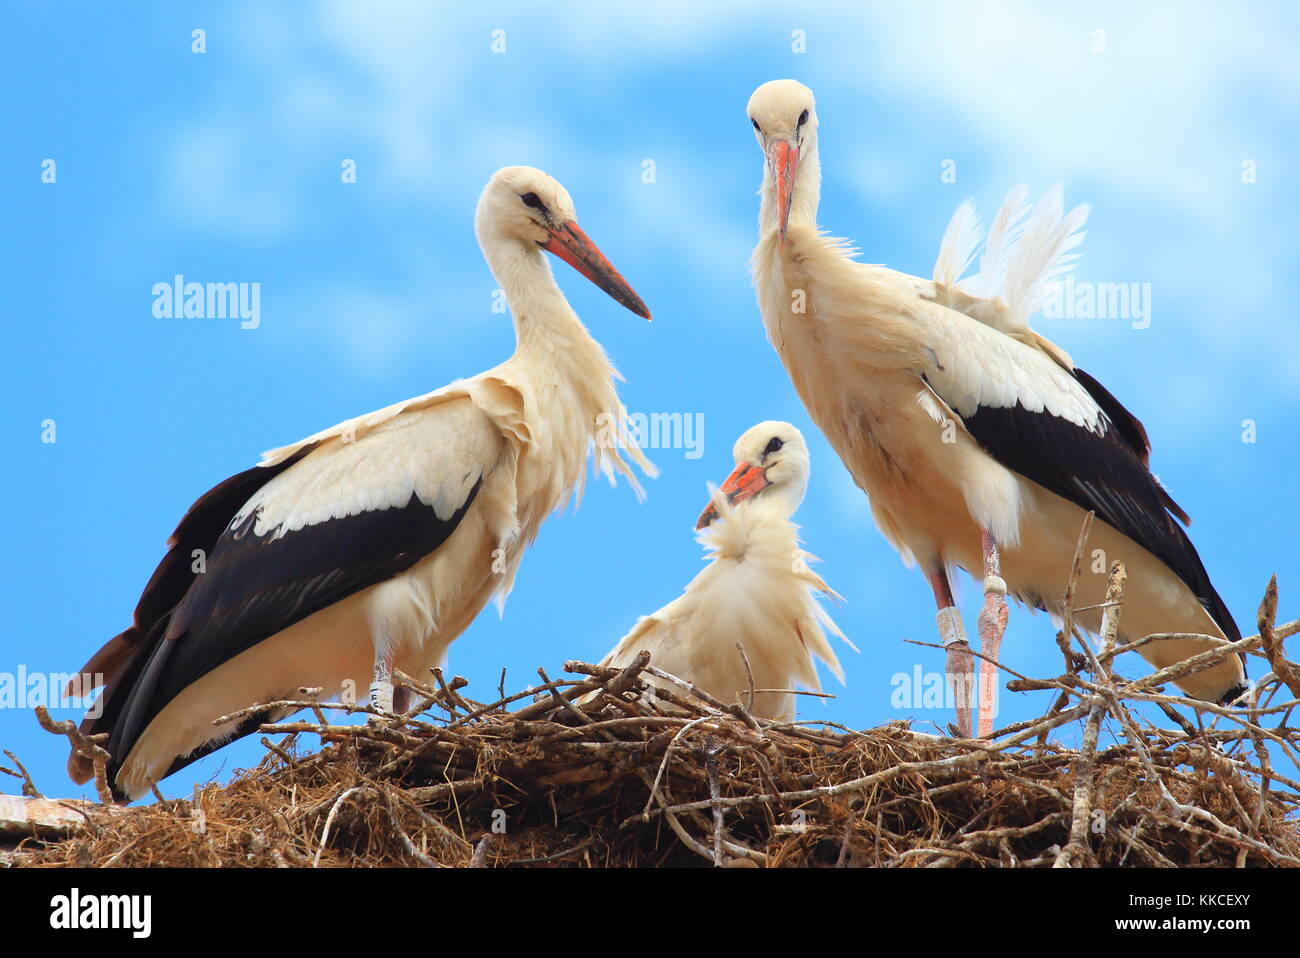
(756, 126)
(773, 445)
(803, 118)
(531, 199)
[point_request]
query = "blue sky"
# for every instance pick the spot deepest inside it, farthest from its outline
(225, 166)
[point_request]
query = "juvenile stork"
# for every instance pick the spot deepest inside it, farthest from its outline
(757, 590)
(979, 443)
(373, 544)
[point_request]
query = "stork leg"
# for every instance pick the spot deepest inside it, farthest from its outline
(992, 623)
(959, 666)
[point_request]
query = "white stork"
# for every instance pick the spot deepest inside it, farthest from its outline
(757, 589)
(373, 544)
(979, 443)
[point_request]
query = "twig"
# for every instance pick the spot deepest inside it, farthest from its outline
(85, 746)
(479, 858)
(749, 671)
(711, 750)
(1266, 619)
(29, 787)
(329, 819)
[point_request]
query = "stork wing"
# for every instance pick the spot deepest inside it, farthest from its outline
(324, 522)
(196, 534)
(1019, 259)
(650, 633)
(1064, 431)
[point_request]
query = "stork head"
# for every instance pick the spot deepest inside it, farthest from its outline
(784, 116)
(523, 205)
(771, 466)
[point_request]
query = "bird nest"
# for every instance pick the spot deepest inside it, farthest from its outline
(593, 772)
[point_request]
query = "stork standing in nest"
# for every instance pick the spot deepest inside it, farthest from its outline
(370, 546)
(757, 592)
(979, 443)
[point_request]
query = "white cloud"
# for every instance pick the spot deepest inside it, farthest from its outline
(211, 161)
(1153, 130)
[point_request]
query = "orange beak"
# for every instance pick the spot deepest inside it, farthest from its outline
(784, 161)
(572, 245)
(746, 481)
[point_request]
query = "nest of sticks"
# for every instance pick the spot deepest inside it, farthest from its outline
(586, 770)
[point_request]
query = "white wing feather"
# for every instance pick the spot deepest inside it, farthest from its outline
(1004, 231)
(975, 365)
(436, 452)
(1042, 254)
(1019, 259)
(960, 241)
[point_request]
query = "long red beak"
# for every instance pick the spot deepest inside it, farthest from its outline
(784, 160)
(746, 481)
(573, 246)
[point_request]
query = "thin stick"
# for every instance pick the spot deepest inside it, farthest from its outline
(749, 671)
(29, 787)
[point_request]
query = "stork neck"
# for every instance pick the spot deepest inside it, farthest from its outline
(757, 531)
(784, 500)
(806, 195)
(547, 330)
